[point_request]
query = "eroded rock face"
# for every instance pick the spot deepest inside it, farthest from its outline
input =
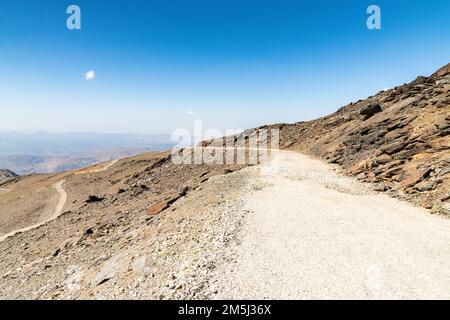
(398, 139)
(443, 71)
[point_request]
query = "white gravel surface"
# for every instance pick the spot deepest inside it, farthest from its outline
(313, 234)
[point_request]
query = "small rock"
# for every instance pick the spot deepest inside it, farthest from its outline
(56, 253)
(380, 187)
(157, 208)
(446, 207)
(383, 159)
(425, 186)
(92, 199)
(361, 176)
(443, 172)
(414, 176)
(183, 191)
(171, 285)
(441, 143)
(394, 147)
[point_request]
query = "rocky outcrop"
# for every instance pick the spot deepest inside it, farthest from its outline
(398, 140)
(442, 71)
(401, 143)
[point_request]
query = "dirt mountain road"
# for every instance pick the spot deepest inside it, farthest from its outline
(56, 213)
(311, 233)
(62, 199)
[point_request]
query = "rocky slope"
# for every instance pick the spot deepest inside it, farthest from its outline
(134, 228)
(6, 175)
(398, 140)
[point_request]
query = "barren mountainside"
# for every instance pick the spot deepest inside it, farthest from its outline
(145, 227)
(398, 140)
(121, 232)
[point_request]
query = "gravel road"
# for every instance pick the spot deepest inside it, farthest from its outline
(313, 234)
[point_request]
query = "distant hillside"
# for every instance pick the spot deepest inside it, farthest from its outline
(6, 175)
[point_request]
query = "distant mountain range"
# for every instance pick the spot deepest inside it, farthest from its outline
(44, 152)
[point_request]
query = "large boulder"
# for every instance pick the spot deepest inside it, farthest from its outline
(369, 110)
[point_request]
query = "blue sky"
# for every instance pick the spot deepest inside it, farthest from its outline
(160, 65)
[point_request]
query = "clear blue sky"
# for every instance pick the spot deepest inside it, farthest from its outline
(162, 64)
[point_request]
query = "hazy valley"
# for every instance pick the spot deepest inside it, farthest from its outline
(44, 152)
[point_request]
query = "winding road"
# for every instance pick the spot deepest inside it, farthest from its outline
(56, 213)
(62, 200)
(105, 168)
